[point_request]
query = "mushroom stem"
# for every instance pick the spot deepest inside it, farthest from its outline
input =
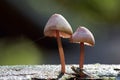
(61, 53)
(81, 55)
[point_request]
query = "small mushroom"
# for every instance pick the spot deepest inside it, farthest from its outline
(83, 36)
(57, 26)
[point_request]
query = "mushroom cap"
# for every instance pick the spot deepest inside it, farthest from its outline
(58, 23)
(82, 34)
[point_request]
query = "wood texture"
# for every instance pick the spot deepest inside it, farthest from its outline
(34, 72)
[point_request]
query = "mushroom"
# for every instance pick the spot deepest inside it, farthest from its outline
(83, 36)
(57, 26)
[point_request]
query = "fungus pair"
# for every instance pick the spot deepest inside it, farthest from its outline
(57, 26)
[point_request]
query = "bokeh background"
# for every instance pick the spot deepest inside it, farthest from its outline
(22, 23)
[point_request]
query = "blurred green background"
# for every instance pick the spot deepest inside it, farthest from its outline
(22, 23)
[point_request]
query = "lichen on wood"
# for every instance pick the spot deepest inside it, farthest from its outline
(48, 72)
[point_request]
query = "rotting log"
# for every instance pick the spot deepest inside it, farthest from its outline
(48, 72)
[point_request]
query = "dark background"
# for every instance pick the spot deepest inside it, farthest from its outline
(22, 23)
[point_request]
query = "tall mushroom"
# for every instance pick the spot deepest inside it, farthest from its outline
(57, 26)
(83, 36)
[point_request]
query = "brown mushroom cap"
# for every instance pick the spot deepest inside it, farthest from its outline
(58, 22)
(82, 34)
